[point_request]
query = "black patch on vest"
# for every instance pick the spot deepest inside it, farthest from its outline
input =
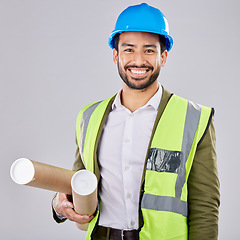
(161, 160)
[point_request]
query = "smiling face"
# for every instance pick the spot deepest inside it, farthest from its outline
(139, 59)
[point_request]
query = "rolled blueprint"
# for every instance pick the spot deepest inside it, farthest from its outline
(82, 184)
(40, 175)
(84, 192)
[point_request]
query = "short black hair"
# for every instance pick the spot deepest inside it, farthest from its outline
(162, 41)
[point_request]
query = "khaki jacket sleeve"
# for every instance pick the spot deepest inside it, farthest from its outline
(78, 163)
(203, 187)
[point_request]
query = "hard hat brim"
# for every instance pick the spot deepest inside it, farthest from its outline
(168, 44)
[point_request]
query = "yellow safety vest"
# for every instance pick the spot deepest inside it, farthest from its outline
(169, 159)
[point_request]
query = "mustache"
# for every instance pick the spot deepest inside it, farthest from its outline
(135, 66)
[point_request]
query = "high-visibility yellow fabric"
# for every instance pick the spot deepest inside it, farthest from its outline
(162, 220)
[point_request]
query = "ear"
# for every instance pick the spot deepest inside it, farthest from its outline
(115, 56)
(164, 58)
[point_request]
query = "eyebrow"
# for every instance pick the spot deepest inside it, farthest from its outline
(128, 45)
(150, 45)
(132, 45)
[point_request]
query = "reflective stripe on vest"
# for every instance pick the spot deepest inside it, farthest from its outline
(84, 124)
(91, 115)
(164, 203)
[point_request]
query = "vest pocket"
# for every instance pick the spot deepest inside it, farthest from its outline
(162, 225)
(160, 183)
(162, 160)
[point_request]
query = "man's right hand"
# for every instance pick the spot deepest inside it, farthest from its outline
(64, 207)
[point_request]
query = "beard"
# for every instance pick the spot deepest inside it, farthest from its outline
(145, 83)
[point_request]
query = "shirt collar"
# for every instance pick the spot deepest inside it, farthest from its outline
(154, 101)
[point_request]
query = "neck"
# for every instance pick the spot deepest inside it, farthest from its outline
(134, 99)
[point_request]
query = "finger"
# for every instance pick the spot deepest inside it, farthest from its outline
(83, 219)
(70, 214)
(67, 204)
(73, 216)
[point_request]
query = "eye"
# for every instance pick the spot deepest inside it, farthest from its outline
(149, 51)
(128, 50)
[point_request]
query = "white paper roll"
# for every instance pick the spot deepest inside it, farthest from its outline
(84, 182)
(22, 171)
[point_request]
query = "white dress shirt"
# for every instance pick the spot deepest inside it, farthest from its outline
(122, 151)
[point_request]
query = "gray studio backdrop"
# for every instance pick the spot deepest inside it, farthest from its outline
(54, 59)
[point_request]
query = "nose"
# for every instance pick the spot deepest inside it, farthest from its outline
(138, 59)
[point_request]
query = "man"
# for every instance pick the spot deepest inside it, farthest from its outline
(152, 152)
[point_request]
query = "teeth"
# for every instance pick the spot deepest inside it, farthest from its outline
(138, 72)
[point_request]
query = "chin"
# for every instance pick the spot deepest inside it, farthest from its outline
(139, 84)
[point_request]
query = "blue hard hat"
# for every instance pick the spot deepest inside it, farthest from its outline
(142, 18)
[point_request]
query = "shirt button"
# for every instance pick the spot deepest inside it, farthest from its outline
(126, 140)
(132, 223)
(129, 195)
(126, 168)
(131, 115)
